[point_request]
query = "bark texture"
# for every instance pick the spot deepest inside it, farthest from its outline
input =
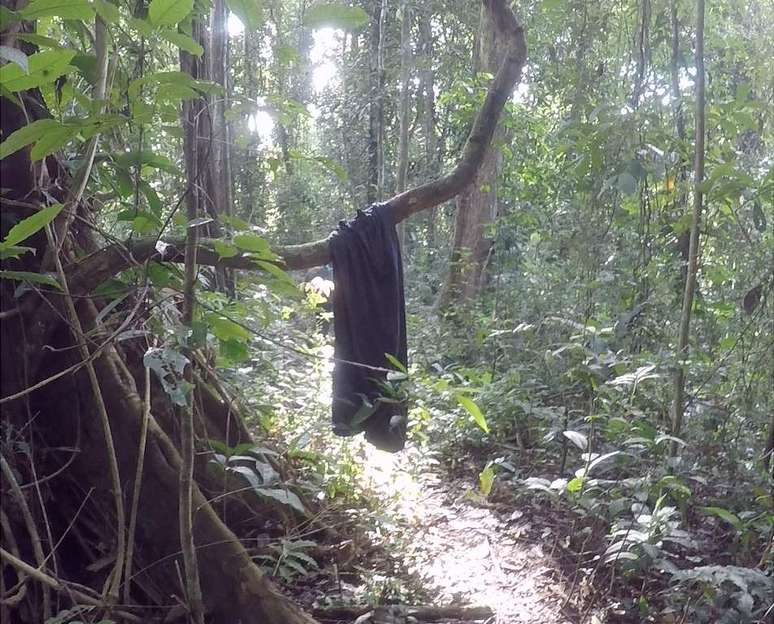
(477, 203)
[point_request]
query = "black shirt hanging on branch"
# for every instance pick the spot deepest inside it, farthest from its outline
(369, 319)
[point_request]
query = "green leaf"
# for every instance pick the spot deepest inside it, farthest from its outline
(248, 11)
(141, 26)
(43, 67)
(178, 79)
(474, 411)
(27, 276)
(182, 41)
(335, 15)
(14, 251)
(575, 485)
(234, 351)
(66, 9)
(274, 270)
(235, 222)
(52, 141)
(154, 202)
(26, 135)
(169, 12)
(283, 496)
(107, 11)
(486, 480)
(145, 158)
(225, 329)
(396, 363)
(224, 250)
(40, 40)
(253, 243)
(14, 55)
(8, 18)
(26, 228)
(726, 515)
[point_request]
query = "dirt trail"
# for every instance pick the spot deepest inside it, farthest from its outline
(464, 551)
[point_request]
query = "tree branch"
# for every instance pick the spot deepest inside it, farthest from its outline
(89, 272)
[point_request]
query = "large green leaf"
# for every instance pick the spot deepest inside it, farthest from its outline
(146, 158)
(66, 9)
(226, 329)
(249, 11)
(26, 228)
(224, 250)
(44, 67)
(253, 243)
(486, 479)
(182, 41)
(474, 411)
(52, 141)
(726, 515)
(285, 497)
(169, 12)
(336, 15)
(107, 11)
(28, 276)
(26, 135)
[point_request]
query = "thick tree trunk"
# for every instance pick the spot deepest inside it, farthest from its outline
(233, 587)
(477, 204)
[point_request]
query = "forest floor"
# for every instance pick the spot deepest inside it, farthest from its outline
(465, 549)
(441, 543)
(425, 535)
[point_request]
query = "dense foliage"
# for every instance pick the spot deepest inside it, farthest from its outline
(554, 375)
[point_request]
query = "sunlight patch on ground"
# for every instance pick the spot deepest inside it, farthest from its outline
(463, 551)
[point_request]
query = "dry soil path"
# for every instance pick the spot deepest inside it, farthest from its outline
(465, 551)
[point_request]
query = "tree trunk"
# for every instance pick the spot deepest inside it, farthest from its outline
(678, 405)
(477, 204)
(233, 587)
(220, 175)
(375, 182)
(403, 111)
(427, 89)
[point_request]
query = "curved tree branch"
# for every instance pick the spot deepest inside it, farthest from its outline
(443, 189)
(94, 269)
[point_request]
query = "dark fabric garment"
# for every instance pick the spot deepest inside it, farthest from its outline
(369, 320)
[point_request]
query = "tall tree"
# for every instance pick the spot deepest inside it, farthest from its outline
(375, 181)
(427, 91)
(477, 204)
(678, 404)
(403, 109)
